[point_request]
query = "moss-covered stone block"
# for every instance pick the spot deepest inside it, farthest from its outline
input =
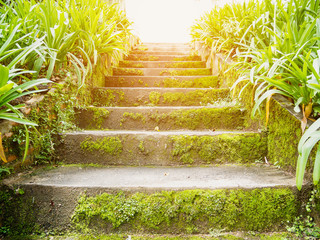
(163, 149)
(17, 213)
(158, 97)
(127, 72)
(176, 212)
(284, 133)
(225, 148)
(186, 72)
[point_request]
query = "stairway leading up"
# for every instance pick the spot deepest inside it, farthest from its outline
(164, 123)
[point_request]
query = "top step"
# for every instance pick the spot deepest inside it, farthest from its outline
(166, 44)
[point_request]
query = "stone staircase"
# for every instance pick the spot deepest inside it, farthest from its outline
(173, 153)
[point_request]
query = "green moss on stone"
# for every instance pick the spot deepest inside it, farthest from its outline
(187, 58)
(137, 57)
(133, 116)
(224, 148)
(99, 115)
(284, 133)
(18, 214)
(186, 64)
(204, 82)
(127, 72)
(197, 97)
(130, 64)
(154, 97)
(109, 145)
(204, 118)
(141, 146)
(186, 72)
(231, 210)
(107, 97)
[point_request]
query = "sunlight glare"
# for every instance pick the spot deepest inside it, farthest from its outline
(165, 20)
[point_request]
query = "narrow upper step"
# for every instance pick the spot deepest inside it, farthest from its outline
(162, 64)
(128, 96)
(144, 57)
(164, 178)
(164, 118)
(163, 81)
(161, 71)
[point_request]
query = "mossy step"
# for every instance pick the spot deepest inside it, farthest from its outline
(162, 64)
(121, 97)
(161, 147)
(161, 71)
(163, 118)
(102, 200)
(160, 81)
(164, 52)
(143, 57)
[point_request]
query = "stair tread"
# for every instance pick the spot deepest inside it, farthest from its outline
(155, 133)
(164, 52)
(168, 107)
(166, 178)
(158, 88)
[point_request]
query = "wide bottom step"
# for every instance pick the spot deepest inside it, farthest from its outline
(164, 178)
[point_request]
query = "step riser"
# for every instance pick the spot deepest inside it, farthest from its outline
(168, 82)
(174, 212)
(161, 72)
(143, 57)
(124, 97)
(159, 149)
(162, 118)
(164, 64)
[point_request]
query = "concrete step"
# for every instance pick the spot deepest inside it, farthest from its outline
(144, 57)
(126, 96)
(160, 200)
(161, 81)
(162, 64)
(164, 52)
(164, 178)
(162, 118)
(161, 71)
(161, 148)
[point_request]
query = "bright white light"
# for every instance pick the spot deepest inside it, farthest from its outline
(165, 20)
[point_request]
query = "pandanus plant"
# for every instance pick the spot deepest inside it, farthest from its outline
(10, 91)
(277, 52)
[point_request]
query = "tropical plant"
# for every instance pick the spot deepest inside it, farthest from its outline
(10, 91)
(275, 46)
